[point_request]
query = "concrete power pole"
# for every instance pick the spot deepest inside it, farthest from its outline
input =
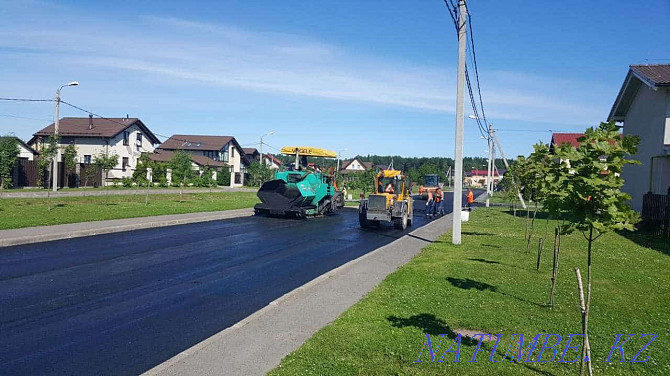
(489, 171)
(458, 158)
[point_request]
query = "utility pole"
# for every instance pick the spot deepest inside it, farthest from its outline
(458, 158)
(261, 151)
(489, 171)
(502, 154)
(56, 121)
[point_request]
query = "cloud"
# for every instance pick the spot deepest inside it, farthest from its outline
(186, 52)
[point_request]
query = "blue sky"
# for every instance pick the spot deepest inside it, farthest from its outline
(372, 77)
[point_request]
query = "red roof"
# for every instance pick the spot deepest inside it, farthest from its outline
(481, 172)
(562, 138)
(274, 159)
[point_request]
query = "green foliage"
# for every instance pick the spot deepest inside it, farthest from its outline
(363, 181)
(9, 152)
(70, 157)
(46, 158)
(223, 177)
(258, 174)
(140, 173)
(206, 177)
(583, 185)
(127, 182)
(106, 162)
(182, 170)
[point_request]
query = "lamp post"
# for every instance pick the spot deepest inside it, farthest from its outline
(56, 120)
(265, 135)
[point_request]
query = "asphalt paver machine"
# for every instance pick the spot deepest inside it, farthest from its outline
(301, 191)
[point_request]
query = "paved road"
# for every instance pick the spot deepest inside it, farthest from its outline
(123, 303)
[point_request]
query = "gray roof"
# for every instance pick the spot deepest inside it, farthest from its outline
(653, 75)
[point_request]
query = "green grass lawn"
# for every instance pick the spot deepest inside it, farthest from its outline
(20, 212)
(489, 284)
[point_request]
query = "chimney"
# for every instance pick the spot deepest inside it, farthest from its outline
(90, 121)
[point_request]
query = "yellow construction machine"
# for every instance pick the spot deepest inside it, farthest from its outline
(390, 202)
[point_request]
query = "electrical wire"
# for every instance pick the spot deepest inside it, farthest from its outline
(26, 100)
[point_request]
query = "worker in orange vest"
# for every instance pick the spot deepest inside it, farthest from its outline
(470, 199)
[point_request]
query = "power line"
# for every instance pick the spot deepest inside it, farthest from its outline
(26, 100)
(24, 117)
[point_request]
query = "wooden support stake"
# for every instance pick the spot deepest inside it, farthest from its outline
(586, 358)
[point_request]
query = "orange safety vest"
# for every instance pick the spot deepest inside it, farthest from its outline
(471, 197)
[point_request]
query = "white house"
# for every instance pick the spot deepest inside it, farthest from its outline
(354, 165)
(273, 162)
(223, 149)
(126, 137)
(643, 105)
(25, 151)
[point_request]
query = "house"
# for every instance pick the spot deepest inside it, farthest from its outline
(273, 162)
(25, 151)
(477, 178)
(558, 139)
(355, 165)
(198, 162)
(643, 106)
(223, 149)
(126, 137)
(252, 155)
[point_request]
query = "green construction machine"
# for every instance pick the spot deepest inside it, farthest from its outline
(301, 191)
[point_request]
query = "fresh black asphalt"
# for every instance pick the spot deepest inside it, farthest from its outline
(122, 303)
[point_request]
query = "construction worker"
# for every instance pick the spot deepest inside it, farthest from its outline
(439, 198)
(470, 199)
(430, 205)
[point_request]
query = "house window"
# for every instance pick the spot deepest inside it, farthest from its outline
(224, 157)
(126, 136)
(87, 159)
(124, 163)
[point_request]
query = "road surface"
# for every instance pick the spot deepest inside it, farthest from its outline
(122, 303)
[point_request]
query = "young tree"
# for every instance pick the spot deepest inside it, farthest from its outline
(9, 152)
(590, 196)
(106, 162)
(223, 177)
(45, 163)
(70, 160)
(182, 170)
(258, 174)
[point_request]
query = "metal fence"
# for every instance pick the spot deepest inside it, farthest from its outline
(656, 213)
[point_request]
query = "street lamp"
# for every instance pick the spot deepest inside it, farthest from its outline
(56, 120)
(265, 135)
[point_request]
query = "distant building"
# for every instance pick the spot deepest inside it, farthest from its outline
(477, 178)
(355, 165)
(126, 137)
(273, 162)
(643, 105)
(251, 155)
(223, 149)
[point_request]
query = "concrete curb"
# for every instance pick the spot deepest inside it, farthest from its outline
(39, 234)
(115, 192)
(230, 337)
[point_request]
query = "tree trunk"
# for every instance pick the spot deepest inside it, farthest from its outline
(540, 245)
(146, 199)
(586, 350)
(554, 269)
(525, 235)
